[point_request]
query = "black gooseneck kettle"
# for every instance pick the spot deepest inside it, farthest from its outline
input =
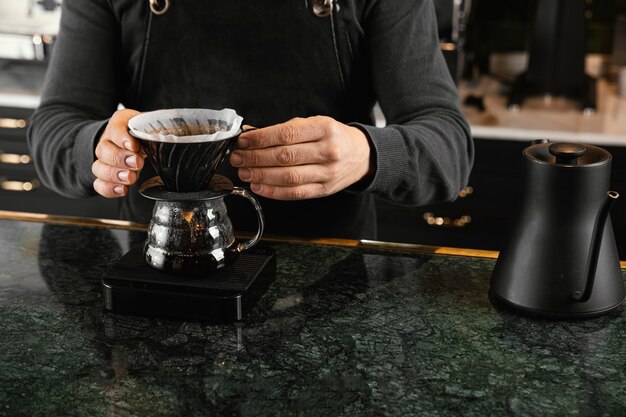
(561, 258)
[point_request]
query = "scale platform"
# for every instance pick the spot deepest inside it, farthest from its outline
(133, 287)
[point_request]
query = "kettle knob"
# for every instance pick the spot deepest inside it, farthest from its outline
(567, 153)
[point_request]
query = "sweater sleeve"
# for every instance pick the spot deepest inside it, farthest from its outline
(79, 94)
(425, 153)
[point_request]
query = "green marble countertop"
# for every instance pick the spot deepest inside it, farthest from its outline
(342, 331)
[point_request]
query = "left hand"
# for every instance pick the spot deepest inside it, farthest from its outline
(302, 158)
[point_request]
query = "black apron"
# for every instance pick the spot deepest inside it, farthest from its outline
(270, 61)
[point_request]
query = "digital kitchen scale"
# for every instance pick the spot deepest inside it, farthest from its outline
(133, 287)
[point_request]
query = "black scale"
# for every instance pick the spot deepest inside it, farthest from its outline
(133, 287)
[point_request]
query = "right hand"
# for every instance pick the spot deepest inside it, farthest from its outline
(119, 157)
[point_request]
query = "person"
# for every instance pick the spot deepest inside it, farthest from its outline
(306, 73)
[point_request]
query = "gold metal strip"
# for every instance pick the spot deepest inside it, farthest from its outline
(367, 244)
(70, 220)
(437, 250)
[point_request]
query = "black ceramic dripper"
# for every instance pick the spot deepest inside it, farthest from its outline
(186, 167)
(186, 146)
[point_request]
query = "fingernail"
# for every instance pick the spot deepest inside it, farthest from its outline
(242, 143)
(131, 161)
(236, 159)
(118, 189)
(123, 175)
(245, 174)
(256, 187)
(128, 146)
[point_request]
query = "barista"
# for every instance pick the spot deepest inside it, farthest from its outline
(306, 73)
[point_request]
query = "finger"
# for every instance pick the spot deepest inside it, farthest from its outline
(117, 130)
(109, 190)
(109, 153)
(286, 176)
(133, 144)
(301, 192)
(288, 133)
(280, 156)
(113, 174)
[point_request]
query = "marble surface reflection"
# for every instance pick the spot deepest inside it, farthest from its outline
(341, 331)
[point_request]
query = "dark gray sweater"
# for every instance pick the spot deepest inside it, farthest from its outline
(271, 60)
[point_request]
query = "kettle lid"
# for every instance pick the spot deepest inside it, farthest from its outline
(567, 154)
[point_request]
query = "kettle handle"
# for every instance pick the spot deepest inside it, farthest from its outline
(243, 192)
(594, 250)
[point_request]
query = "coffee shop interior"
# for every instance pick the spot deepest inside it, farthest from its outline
(398, 326)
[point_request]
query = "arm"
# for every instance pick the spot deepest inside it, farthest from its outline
(425, 152)
(80, 94)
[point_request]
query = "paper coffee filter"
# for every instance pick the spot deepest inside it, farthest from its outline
(186, 125)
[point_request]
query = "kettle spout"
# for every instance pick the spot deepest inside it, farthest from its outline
(594, 250)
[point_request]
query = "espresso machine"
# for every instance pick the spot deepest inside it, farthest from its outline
(191, 266)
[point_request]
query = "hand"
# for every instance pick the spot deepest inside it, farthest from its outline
(302, 158)
(119, 157)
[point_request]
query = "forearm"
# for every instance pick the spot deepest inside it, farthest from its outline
(425, 153)
(421, 162)
(80, 93)
(62, 142)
